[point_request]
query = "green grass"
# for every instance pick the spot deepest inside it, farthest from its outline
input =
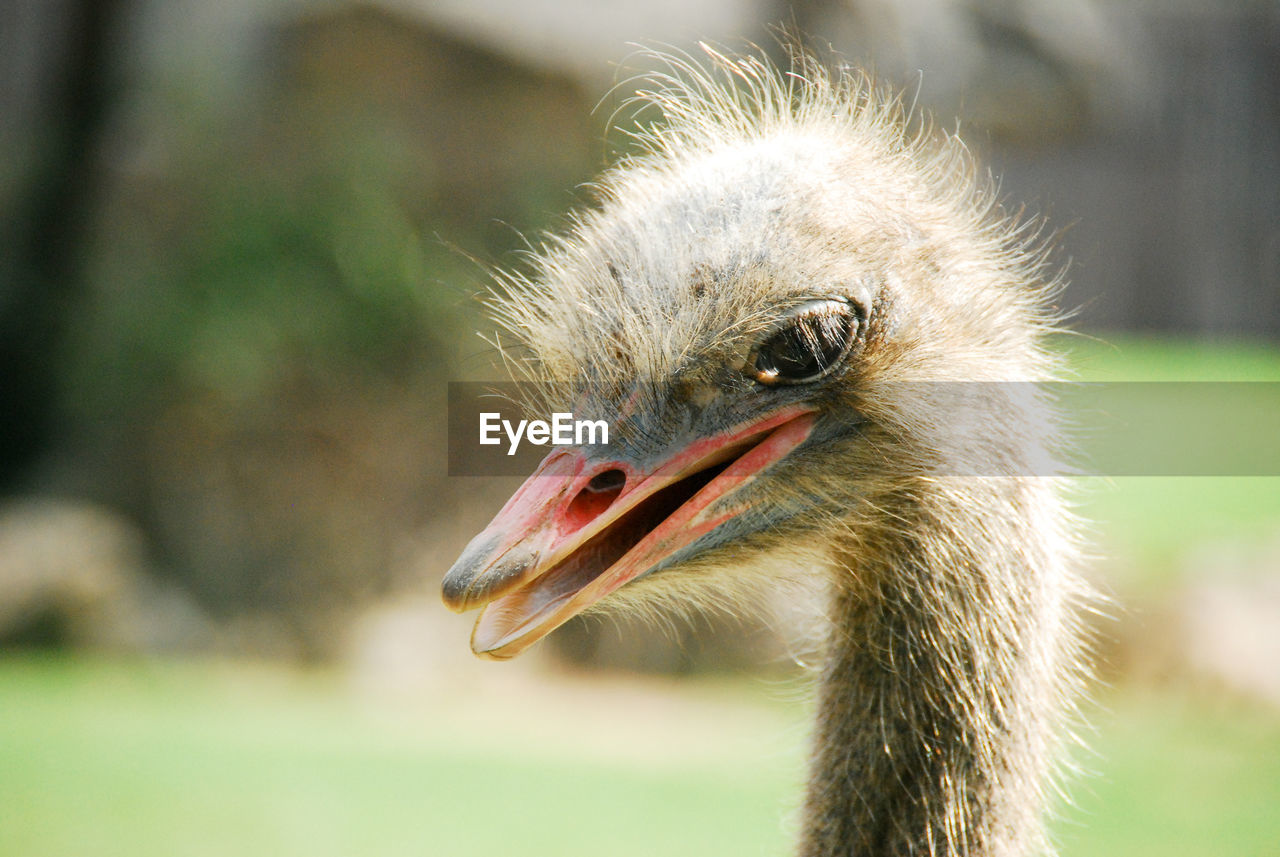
(101, 759)
(1147, 526)
(1136, 358)
(104, 758)
(1178, 773)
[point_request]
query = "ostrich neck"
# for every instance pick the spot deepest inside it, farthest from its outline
(934, 718)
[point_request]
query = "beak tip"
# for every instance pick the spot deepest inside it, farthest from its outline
(473, 584)
(464, 583)
(490, 655)
(455, 589)
(491, 649)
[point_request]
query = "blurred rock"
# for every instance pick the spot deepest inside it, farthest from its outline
(74, 574)
(589, 39)
(411, 642)
(1219, 630)
(1230, 623)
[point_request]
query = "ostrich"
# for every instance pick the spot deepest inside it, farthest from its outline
(813, 332)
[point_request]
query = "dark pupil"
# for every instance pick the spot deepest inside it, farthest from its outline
(808, 347)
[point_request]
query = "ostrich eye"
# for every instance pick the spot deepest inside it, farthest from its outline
(809, 342)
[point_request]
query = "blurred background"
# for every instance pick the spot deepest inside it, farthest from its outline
(239, 254)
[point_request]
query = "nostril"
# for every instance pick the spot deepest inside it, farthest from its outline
(594, 498)
(609, 480)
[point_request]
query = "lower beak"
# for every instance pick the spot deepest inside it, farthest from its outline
(578, 528)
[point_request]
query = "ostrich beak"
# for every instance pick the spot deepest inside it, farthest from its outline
(579, 528)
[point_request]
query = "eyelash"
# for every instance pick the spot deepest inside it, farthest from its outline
(810, 343)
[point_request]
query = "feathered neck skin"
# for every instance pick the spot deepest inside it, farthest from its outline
(950, 653)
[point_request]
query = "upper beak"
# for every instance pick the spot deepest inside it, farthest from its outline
(578, 528)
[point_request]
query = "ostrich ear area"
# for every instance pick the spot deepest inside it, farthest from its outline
(579, 528)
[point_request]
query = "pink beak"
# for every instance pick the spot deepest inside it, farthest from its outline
(579, 529)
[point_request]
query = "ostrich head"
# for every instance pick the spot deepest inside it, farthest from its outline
(799, 318)
(766, 308)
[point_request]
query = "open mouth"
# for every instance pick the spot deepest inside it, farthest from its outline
(577, 531)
